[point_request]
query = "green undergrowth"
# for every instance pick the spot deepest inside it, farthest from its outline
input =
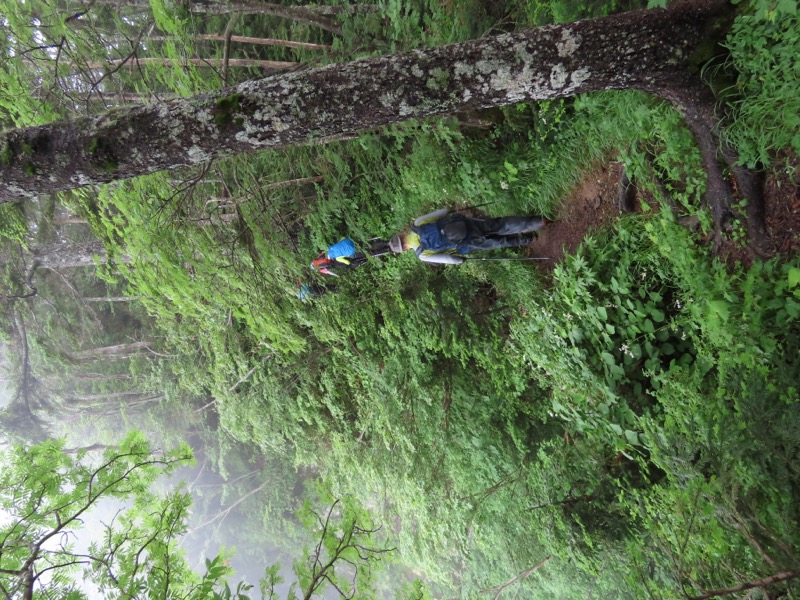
(630, 418)
(580, 417)
(763, 103)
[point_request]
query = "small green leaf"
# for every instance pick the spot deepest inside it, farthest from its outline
(720, 308)
(631, 436)
(794, 276)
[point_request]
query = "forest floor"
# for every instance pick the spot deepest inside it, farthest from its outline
(593, 205)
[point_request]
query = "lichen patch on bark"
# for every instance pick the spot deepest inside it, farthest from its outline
(570, 42)
(558, 76)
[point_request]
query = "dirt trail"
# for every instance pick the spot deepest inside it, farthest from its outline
(593, 205)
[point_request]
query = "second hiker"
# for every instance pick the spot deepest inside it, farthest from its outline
(441, 236)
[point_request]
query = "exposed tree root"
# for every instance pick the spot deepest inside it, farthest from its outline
(626, 193)
(689, 221)
(696, 103)
(751, 186)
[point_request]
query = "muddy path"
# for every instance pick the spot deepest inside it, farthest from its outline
(593, 205)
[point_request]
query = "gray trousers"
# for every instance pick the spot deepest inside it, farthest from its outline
(501, 232)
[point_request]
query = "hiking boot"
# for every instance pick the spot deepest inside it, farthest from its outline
(525, 239)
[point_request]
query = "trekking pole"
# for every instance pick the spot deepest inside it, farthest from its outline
(474, 206)
(526, 258)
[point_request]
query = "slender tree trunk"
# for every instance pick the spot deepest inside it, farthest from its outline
(113, 299)
(291, 182)
(116, 352)
(649, 50)
(69, 256)
(104, 403)
(91, 448)
(102, 397)
(275, 65)
(301, 14)
(113, 100)
(117, 376)
(243, 6)
(241, 39)
(69, 220)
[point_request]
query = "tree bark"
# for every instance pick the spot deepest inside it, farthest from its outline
(117, 376)
(69, 256)
(133, 63)
(315, 15)
(649, 50)
(102, 397)
(302, 14)
(242, 39)
(112, 299)
(117, 352)
(69, 220)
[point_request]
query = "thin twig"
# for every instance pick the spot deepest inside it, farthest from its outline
(761, 583)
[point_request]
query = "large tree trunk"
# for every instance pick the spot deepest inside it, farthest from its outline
(649, 50)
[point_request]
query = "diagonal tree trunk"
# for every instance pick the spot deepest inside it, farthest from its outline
(650, 50)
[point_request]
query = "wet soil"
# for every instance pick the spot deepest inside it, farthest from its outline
(594, 204)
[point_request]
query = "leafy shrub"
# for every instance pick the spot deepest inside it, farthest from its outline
(765, 107)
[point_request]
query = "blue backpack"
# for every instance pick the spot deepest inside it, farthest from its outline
(342, 249)
(443, 235)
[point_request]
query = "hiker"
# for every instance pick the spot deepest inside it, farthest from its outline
(343, 254)
(441, 236)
